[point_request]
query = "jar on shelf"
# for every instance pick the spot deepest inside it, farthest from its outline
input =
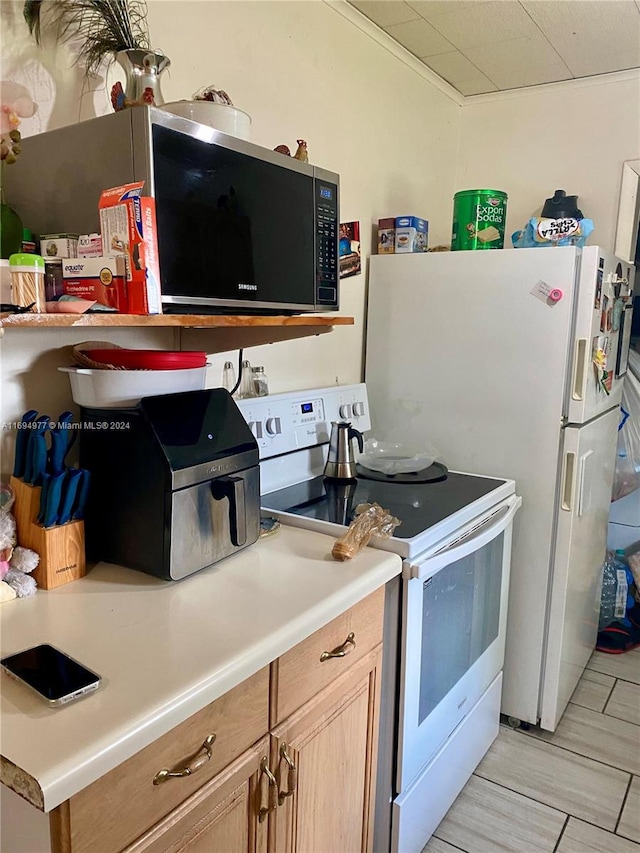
(260, 383)
(27, 281)
(228, 376)
(246, 388)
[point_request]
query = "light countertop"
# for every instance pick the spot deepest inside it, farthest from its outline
(164, 650)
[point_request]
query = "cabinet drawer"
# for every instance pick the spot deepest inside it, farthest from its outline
(121, 805)
(306, 669)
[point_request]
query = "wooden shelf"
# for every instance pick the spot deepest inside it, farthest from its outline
(226, 332)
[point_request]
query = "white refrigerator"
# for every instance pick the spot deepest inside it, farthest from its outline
(510, 363)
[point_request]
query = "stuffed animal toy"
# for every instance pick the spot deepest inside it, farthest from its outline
(16, 563)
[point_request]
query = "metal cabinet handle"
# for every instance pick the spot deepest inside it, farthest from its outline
(272, 795)
(292, 775)
(198, 762)
(340, 651)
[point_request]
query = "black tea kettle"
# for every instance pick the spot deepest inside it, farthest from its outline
(341, 464)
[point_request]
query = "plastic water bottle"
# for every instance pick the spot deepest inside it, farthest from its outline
(614, 598)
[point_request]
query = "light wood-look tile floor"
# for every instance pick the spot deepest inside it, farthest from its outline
(576, 790)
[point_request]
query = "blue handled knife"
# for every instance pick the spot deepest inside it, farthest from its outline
(46, 479)
(36, 461)
(22, 442)
(62, 438)
(81, 496)
(53, 499)
(72, 477)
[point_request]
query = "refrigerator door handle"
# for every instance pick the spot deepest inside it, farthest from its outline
(568, 482)
(580, 376)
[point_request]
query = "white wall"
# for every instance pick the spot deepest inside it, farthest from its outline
(299, 69)
(303, 70)
(572, 136)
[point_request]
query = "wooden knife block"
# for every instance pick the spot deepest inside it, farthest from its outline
(61, 548)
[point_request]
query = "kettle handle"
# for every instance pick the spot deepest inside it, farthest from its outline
(355, 433)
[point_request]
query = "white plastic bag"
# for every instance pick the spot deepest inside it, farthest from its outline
(627, 471)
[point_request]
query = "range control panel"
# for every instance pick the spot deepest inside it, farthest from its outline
(282, 423)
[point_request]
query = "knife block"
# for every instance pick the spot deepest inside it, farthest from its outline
(60, 548)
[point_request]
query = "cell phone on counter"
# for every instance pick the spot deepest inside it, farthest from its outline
(52, 674)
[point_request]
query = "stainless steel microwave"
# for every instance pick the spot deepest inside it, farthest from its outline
(241, 228)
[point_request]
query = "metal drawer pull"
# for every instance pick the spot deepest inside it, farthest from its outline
(292, 775)
(273, 790)
(339, 652)
(198, 762)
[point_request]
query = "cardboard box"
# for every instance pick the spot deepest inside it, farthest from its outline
(128, 226)
(386, 236)
(99, 279)
(412, 234)
(59, 245)
(89, 246)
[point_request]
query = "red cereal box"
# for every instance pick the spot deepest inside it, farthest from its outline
(128, 226)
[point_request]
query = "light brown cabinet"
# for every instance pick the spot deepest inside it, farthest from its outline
(324, 756)
(283, 763)
(221, 816)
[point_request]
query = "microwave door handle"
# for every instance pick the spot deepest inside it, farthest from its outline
(473, 541)
(233, 489)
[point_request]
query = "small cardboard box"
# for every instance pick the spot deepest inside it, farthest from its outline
(128, 226)
(386, 236)
(89, 246)
(58, 245)
(412, 234)
(99, 279)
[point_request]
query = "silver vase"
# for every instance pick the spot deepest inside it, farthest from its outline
(142, 85)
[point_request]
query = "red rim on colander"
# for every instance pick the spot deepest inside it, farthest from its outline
(149, 359)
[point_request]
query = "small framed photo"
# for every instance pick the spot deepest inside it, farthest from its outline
(349, 249)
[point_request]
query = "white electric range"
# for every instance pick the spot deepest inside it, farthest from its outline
(441, 702)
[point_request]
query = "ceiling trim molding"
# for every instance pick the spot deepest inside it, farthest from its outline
(391, 46)
(561, 86)
(385, 41)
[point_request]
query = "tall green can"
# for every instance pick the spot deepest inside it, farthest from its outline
(479, 218)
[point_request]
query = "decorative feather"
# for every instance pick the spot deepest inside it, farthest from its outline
(103, 26)
(31, 12)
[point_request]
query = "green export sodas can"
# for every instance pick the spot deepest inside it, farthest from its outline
(479, 218)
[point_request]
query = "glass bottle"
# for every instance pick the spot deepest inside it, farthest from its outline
(228, 376)
(260, 383)
(246, 382)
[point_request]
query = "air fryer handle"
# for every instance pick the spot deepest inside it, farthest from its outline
(233, 489)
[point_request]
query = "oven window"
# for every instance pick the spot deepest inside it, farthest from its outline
(460, 620)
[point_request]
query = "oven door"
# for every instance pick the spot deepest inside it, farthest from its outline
(454, 621)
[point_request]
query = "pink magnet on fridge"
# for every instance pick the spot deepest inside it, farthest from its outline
(556, 294)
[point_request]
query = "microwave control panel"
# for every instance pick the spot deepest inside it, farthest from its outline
(326, 242)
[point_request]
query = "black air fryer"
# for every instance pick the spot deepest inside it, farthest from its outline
(175, 483)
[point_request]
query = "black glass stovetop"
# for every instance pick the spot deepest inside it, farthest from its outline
(419, 506)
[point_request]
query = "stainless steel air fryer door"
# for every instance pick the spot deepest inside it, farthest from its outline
(212, 520)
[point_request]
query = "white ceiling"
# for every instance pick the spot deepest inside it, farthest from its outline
(483, 46)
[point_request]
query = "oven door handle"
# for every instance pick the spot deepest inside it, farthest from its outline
(475, 539)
